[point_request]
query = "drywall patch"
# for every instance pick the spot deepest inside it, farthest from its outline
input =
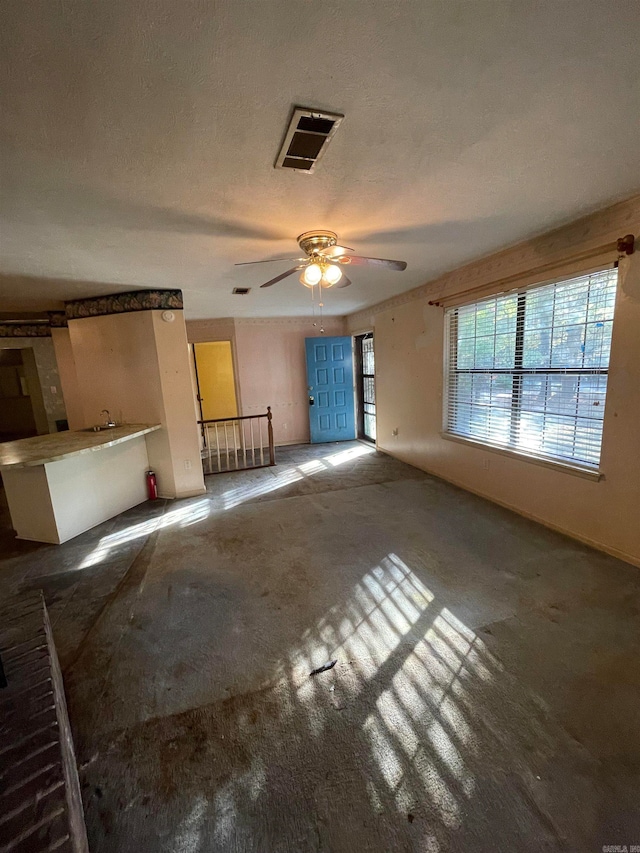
(432, 316)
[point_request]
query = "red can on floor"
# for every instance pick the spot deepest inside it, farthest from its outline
(152, 486)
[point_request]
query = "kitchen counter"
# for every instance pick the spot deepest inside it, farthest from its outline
(60, 445)
(60, 485)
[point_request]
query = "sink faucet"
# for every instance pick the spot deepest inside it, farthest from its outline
(108, 421)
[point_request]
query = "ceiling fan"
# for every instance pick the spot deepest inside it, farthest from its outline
(324, 261)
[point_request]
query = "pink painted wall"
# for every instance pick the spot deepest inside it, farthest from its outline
(179, 406)
(409, 391)
(136, 366)
(269, 356)
(201, 331)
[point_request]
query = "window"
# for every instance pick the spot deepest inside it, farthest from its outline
(528, 370)
(366, 387)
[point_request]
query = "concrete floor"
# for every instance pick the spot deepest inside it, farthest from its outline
(486, 695)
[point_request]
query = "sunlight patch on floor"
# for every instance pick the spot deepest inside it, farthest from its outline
(348, 455)
(188, 837)
(194, 513)
(275, 480)
(182, 516)
(408, 670)
(278, 478)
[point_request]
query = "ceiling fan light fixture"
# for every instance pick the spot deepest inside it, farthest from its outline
(331, 275)
(311, 275)
(324, 260)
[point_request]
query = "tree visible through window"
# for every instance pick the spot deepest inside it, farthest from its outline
(528, 370)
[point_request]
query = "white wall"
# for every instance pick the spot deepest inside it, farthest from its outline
(409, 392)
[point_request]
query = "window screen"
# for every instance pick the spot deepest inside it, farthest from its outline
(528, 370)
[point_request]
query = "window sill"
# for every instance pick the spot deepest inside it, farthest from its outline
(576, 470)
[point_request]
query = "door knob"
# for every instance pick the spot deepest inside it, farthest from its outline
(312, 400)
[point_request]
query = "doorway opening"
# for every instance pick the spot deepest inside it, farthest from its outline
(366, 386)
(228, 441)
(22, 412)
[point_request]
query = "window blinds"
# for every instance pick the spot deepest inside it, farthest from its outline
(528, 370)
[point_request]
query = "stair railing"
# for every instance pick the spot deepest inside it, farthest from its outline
(237, 444)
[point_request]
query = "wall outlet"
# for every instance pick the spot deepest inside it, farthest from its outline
(187, 464)
(54, 390)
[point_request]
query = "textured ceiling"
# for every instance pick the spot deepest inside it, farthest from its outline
(138, 139)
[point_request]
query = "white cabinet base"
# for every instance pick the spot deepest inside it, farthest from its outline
(56, 501)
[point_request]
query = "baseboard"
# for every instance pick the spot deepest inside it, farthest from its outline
(592, 543)
(190, 494)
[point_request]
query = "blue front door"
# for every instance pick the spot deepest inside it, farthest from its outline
(330, 381)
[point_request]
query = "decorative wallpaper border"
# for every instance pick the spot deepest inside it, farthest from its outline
(57, 319)
(95, 306)
(124, 303)
(25, 330)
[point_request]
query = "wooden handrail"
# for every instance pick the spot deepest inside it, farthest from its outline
(266, 414)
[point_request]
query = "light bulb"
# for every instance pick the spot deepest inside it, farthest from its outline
(332, 274)
(311, 275)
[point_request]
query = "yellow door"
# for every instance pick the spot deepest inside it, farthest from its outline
(216, 384)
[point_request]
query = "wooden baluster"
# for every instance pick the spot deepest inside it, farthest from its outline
(218, 448)
(236, 424)
(253, 444)
(261, 442)
(244, 443)
(272, 451)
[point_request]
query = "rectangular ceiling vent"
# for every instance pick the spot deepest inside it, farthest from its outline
(240, 291)
(306, 139)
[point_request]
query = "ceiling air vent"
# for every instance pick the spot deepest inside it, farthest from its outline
(240, 291)
(306, 139)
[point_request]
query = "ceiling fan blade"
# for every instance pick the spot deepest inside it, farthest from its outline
(268, 261)
(344, 281)
(283, 275)
(359, 261)
(335, 251)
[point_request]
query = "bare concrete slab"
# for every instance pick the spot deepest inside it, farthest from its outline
(486, 695)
